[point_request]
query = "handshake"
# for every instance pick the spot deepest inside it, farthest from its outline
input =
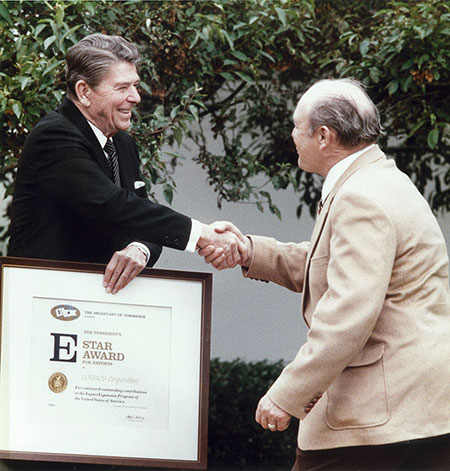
(223, 245)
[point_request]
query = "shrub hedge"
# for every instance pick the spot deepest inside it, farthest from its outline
(235, 439)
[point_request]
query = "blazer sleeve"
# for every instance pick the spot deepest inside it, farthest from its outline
(281, 263)
(65, 169)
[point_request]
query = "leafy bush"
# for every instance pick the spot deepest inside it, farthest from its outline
(238, 68)
(235, 439)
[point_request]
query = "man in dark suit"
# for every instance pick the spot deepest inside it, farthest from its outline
(79, 195)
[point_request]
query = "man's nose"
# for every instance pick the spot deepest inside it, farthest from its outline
(134, 95)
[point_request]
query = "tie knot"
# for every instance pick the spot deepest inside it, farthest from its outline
(109, 147)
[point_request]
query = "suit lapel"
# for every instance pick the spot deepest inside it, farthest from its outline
(125, 167)
(73, 114)
(365, 159)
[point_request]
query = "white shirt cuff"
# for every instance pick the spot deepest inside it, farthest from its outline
(143, 248)
(196, 232)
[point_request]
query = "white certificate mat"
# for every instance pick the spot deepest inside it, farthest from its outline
(87, 376)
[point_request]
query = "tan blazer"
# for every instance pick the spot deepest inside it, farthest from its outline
(376, 299)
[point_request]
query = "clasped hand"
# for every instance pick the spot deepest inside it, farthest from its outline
(223, 245)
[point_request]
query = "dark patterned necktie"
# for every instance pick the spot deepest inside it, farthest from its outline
(113, 160)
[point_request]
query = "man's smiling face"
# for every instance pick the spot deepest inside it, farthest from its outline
(112, 100)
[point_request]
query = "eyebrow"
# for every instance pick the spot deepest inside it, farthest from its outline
(127, 82)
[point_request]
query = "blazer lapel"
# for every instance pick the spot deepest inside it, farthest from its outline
(365, 159)
(73, 114)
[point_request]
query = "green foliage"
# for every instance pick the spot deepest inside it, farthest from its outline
(238, 68)
(405, 62)
(234, 438)
(34, 37)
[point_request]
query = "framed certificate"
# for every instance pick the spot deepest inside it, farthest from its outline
(90, 377)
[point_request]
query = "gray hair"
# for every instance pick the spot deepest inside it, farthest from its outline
(91, 58)
(353, 123)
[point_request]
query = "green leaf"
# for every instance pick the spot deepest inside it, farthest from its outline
(375, 74)
(393, 86)
(240, 55)
(275, 210)
(229, 39)
(4, 13)
(406, 84)
(58, 95)
(416, 127)
(70, 32)
(194, 111)
(175, 111)
(281, 15)
(52, 65)
(24, 81)
(145, 87)
(194, 42)
(364, 47)
(90, 7)
(422, 59)
(39, 28)
(245, 77)
(168, 193)
(48, 41)
(17, 108)
(433, 137)
(177, 134)
(159, 112)
(227, 76)
(59, 14)
(305, 57)
(407, 65)
(268, 56)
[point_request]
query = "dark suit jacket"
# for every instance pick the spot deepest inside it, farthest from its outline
(65, 205)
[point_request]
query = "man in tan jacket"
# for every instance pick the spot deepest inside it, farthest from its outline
(371, 385)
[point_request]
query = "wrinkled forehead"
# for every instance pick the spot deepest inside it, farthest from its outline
(120, 72)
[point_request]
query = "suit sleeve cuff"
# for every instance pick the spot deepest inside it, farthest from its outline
(143, 248)
(196, 232)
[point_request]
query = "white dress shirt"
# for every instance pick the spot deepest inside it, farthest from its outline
(338, 169)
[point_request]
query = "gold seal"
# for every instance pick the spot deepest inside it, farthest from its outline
(57, 382)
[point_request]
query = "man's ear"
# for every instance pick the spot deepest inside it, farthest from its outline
(83, 92)
(325, 136)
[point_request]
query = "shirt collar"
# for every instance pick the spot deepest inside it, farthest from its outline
(99, 135)
(338, 169)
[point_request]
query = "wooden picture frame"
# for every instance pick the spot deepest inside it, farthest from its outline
(91, 377)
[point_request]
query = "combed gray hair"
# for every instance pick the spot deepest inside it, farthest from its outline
(354, 124)
(91, 58)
